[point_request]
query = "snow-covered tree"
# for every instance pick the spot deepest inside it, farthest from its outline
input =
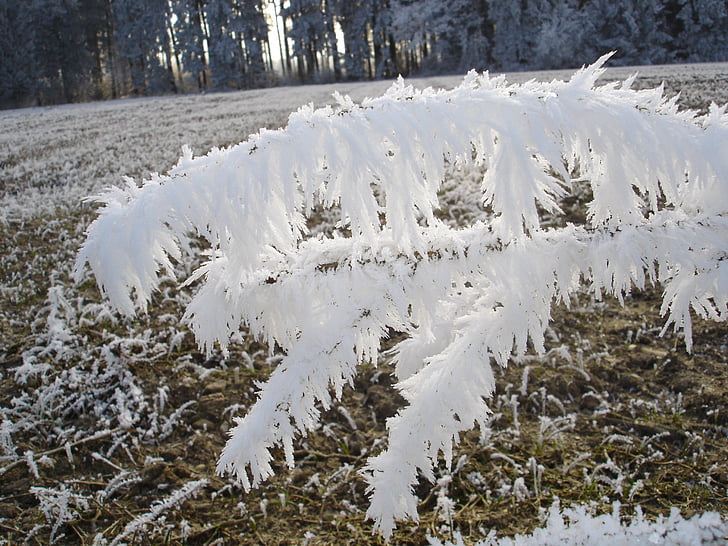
(634, 28)
(383, 45)
(253, 29)
(237, 33)
(311, 32)
(50, 50)
(463, 299)
(471, 45)
(140, 36)
(508, 34)
(704, 33)
(59, 59)
(447, 33)
(191, 37)
(226, 63)
(17, 78)
(560, 33)
(354, 16)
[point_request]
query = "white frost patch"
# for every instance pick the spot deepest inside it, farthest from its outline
(576, 526)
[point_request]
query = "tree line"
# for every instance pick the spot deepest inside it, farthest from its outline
(55, 51)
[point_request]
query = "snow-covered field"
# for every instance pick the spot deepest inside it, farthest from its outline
(89, 402)
(56, 156)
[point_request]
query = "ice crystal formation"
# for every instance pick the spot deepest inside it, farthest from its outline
(463, 299)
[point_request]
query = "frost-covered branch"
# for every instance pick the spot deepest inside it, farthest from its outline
(658, 211)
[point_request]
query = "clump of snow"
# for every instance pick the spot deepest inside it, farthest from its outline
(578, 526)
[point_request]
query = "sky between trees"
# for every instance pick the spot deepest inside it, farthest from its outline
(55, 51)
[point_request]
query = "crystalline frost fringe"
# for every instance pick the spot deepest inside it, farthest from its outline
(465, 297)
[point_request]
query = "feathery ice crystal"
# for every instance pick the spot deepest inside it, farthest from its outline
(464, 297)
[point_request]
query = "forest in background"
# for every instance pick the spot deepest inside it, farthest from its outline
(58, 51)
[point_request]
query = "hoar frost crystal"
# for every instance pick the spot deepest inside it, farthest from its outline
(465, 297)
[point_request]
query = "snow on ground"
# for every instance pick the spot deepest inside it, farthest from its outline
(576, 526)
(56, 156)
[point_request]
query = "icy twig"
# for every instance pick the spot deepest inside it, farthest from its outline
(186, 492)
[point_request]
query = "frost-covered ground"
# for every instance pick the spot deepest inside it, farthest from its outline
(109, 429)
(56, 156)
